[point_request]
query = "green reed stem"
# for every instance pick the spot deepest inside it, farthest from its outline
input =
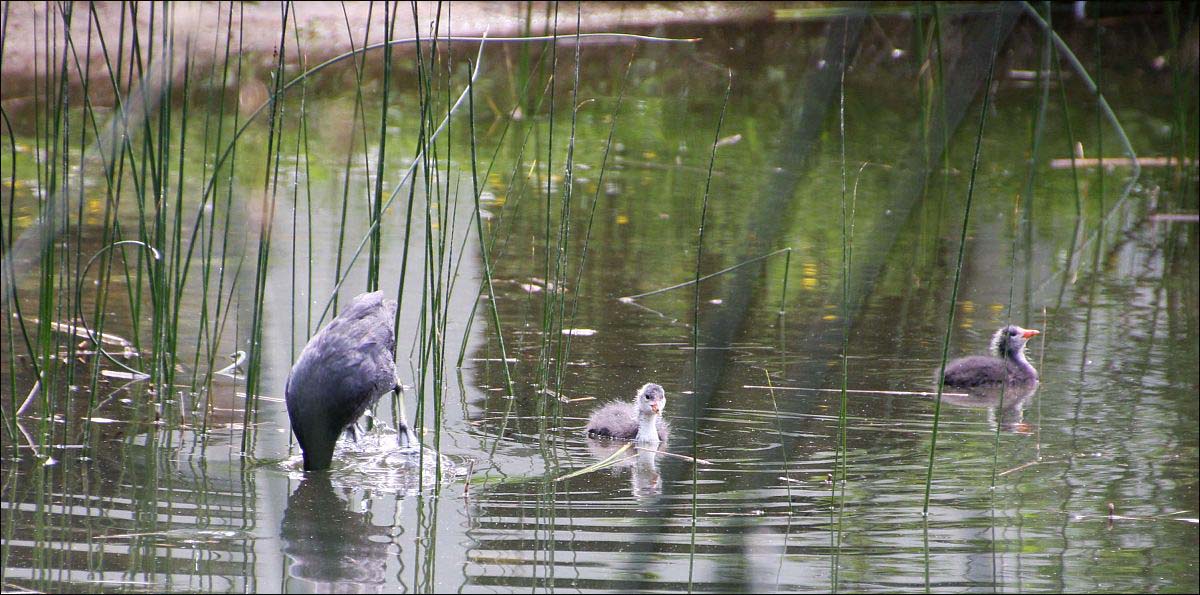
(401, 184)
(1102, 104)
(840, 462)
(712, 160)
(547, 302)
(1066, 110)
(376, 237)
(462, 351)
(564, 223)
(1019, 214)
(587, 232)
(266, 227)
(962, 244)
(483, 247)
(359, 121)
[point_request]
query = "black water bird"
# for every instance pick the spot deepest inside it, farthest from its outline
(341, 373)
(640, 420)
(1005, 366)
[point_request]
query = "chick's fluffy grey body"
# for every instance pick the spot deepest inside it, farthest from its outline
(1006, 364)
(620, 420)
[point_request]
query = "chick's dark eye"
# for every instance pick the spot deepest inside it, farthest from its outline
(1012, 333)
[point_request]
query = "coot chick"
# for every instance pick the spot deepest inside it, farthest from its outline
(1006, 365)
(640, 420)
(342, 371)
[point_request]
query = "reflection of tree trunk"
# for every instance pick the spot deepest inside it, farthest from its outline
(962, 85)
(965, 74)
(817, 98)
(817, 94)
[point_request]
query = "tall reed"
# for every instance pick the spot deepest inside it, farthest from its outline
(962, 243)
(840, 459)
(712, 160)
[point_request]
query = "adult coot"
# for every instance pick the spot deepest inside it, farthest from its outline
(342, 372)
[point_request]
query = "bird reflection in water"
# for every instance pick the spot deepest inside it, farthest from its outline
(645, 479)
(1005, 404)
(328, 544)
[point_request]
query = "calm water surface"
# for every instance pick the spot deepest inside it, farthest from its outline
(152, 495)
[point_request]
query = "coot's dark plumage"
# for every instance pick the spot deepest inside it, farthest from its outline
(1006, 365)
(342, 371)
(640, 420)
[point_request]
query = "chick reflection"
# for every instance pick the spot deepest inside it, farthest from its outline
(1011, 417)
(330, 545)
(645, 480)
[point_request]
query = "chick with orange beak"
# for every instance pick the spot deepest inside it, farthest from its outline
(1006, 364)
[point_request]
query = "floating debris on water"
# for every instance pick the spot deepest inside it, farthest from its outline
(124, 375)
(730, 140)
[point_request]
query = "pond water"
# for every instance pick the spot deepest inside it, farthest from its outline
(1088, 483)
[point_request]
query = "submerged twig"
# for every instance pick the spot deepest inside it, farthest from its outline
(1111, 162)
(79, 301)
(76, 328)
(1020, 467)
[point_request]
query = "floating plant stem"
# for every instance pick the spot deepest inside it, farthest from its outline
(265, 230)
(612, 459)
(630, 298)
(899, 393)
(568, 193)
